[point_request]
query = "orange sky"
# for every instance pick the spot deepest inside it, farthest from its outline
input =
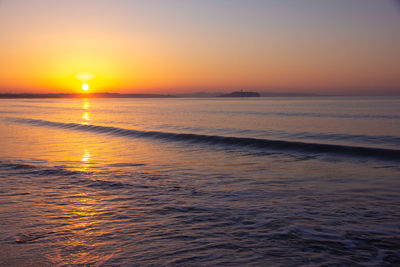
(175, 46)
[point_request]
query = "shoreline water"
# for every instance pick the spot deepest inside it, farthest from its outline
(104, 182)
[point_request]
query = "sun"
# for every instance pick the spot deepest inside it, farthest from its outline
(85, 87)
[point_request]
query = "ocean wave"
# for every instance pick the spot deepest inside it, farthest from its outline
(16, 166)
(258, 133)
(278, 145)
(84, 178)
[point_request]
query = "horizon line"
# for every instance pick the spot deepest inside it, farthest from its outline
(178, 95)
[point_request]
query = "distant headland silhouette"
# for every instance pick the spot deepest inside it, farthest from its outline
(87, 95)
(241, 94)
(181, 95)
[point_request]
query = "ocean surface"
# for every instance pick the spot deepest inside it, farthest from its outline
(200, 182)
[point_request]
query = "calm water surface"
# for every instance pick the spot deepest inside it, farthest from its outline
(200, 182)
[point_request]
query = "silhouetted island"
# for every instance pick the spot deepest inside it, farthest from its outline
(241, 94)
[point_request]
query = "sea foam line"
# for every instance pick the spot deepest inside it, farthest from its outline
(318, 148)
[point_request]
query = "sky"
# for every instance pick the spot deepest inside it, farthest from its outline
(179, 46)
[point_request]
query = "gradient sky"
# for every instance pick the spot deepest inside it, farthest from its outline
(171, 46)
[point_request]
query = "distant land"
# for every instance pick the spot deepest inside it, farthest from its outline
(262, 94)
(241, 94)
(185, 95)
(88, 95)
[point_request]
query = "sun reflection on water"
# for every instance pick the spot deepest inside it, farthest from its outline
(86, 115)
(86, 156)
(86, 104)
(85, 162)
(83, 214)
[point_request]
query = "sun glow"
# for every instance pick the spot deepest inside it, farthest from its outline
(85, 87)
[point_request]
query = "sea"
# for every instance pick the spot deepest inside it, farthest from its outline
(305, 181)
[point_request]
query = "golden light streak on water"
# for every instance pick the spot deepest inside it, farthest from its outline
(86, 104)
(84, 213)
(85, 116)
(86, 156)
